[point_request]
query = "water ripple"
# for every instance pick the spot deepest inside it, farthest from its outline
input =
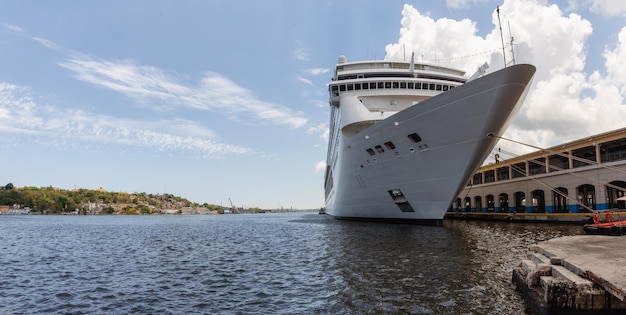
(271, 264)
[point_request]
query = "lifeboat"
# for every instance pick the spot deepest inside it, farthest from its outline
(606, 227)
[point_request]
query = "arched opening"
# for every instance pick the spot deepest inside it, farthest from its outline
(468, 204)
(615, 190)
(559, 196)
(490, 203)
(520, 202)
(538, 201)
(458, 205)
(478, 203)
(587, 196)
(503, 201)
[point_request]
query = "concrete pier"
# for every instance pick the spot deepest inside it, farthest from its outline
(582, 274)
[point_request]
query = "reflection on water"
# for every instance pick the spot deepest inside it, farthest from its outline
(462, 268)
(266, 263)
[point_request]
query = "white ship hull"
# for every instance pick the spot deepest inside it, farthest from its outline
(416, 181)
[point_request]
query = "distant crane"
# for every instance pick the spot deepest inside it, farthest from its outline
(232, 207)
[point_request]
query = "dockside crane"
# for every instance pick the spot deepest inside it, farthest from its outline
(232, 207)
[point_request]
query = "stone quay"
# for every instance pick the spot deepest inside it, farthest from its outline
(582, 274)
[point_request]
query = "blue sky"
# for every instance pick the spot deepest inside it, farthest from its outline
(213, 100)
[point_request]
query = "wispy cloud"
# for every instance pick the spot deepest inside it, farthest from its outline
(46, 43)
(20, 114)
(316, 71)
(301, 53)
(147, 84)
(304, 80)
(14, 28)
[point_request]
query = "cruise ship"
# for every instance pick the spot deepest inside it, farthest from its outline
(405, 137)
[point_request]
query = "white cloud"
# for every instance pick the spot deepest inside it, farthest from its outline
(565, 103)
(320, 166)
(149, 84)
(608, 7)
(317, 129)
(20, 114)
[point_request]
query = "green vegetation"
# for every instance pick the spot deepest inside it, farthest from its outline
(58, 201)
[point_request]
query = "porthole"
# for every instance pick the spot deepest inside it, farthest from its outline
(370, 151)
(390, 145)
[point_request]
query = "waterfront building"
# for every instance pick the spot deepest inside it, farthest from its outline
(577, 177)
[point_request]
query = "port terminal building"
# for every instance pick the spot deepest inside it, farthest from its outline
(575, 179)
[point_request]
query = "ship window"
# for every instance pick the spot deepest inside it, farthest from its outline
(357, 86)
(381, 85)
(432, 86)
(418, 86)
(414, 102)
(370, 151)
(334, 88)
(379, 149)
(372, 85)
(395, 85)
(403, 85)
(411, 85)
(445, 87)
(365, 86)
(387, 85)
(438, 87)
(415, 137)
(390, 145)
(350, 87)
(342, 88)
(393, 102)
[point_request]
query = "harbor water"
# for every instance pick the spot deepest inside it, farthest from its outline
(289, 263)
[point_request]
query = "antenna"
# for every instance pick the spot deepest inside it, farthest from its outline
(512, 52)
(501, 38)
